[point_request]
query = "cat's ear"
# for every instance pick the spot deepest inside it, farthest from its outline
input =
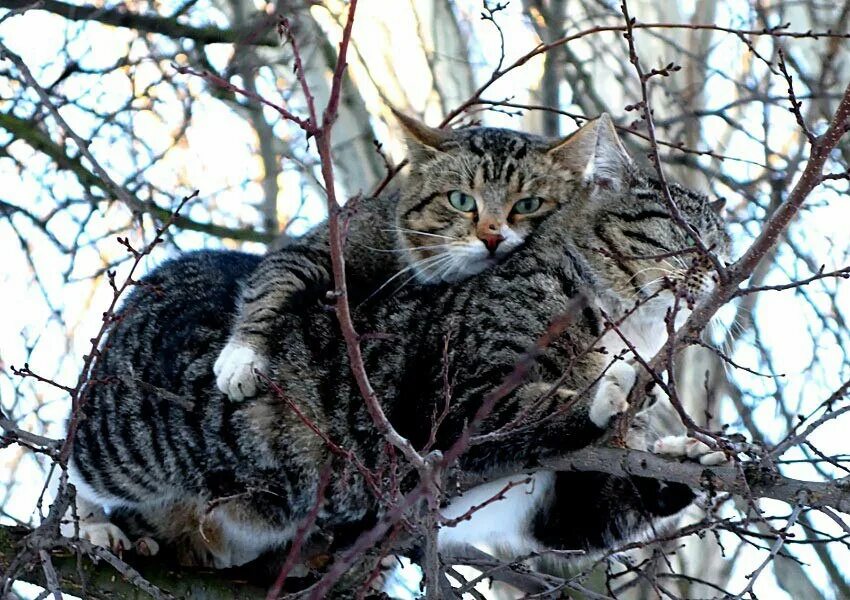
(595, 152)
(717, 205)
(423, 142)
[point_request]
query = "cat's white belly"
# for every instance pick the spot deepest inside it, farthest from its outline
(245, 542)
(503, 524)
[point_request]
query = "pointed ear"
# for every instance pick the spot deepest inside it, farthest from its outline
(717, 205)
(423, 142)
(596, 152)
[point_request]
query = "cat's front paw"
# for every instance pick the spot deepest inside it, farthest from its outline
(234, 370)
(682, 446)
(612, 393)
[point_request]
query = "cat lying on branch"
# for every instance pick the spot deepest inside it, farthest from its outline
(224, 481)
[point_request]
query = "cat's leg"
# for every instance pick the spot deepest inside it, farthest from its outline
(87, 518)
(134, 525)
(280, 279)
(497, 514)
(94, 525)
(656, 419)
(658, 427)
(146, 546)
(228, 535)
(386, 567)
(181, 526)
(612, 393)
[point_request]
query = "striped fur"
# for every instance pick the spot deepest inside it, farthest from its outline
(225, 481)
(414, 235)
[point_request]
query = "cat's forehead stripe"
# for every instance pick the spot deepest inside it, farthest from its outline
(498, 151)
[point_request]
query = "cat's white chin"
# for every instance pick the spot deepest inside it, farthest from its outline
(469, 269)
(458, 266)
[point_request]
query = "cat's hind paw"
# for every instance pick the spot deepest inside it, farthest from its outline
(682, 446)
(383, 573)
(612, 393)
(146, 546)
(234, 370)
(105, 535)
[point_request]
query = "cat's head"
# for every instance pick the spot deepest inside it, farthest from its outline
(628, 229)
(474, 195)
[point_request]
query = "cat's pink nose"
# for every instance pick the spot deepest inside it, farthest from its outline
(491, 241)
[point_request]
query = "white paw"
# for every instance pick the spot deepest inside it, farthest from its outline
(106, 535)
(612, 393)
(387, 565)
(234, 370)
(146, 546)
(683, 446)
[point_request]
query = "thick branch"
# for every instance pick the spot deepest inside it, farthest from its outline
(102, 582)
(757, 482)
(152, 23)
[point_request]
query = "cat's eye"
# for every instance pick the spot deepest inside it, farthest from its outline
(462, 202)
(527, 205)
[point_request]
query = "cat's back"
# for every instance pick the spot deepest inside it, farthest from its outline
(177, 312)
(147, 407)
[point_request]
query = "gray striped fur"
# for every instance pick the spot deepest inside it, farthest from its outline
(223, 481)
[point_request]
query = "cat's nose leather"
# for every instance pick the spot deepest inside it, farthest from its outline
(491, 241)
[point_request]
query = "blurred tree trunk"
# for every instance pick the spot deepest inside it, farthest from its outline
(359, 166)
(446, 51)
(547, 17)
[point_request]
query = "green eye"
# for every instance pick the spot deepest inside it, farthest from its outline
(462, 202)
(527, 205)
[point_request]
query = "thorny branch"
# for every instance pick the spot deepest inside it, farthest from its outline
(776, 225)
(46, 536)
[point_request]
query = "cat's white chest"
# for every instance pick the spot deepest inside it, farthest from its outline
(503, 524)
(645, 329)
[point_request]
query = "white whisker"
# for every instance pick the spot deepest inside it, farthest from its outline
(423, 264)
(414, 276)
(440, 268)
(450, 266)
(401, 250)
(635, 292)
(627, 286)
(416, 232)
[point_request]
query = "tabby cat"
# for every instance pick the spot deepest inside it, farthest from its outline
(225, 481)
(472, 196)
